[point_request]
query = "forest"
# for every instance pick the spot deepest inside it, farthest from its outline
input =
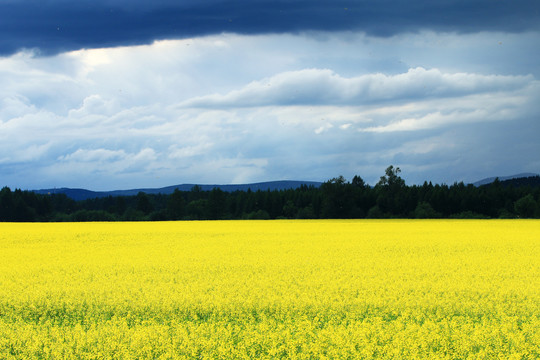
(336, 198)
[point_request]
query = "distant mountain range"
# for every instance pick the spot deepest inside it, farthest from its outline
(504, 178)
(83, 194)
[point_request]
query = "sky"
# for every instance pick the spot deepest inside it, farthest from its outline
(117, 94)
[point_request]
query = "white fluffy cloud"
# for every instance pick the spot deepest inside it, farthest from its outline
(325, 87)
(231, 108)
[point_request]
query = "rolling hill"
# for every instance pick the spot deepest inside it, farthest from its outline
(504, 178)
(83, 194)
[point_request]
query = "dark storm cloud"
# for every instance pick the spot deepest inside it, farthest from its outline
(59, 25)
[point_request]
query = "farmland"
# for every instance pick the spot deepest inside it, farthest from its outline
(367, 289)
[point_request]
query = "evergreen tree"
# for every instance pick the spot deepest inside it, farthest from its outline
(176, 206)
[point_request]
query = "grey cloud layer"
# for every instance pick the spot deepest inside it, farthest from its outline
(59, 25)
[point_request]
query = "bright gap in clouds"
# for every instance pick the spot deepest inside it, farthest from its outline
(237, 109)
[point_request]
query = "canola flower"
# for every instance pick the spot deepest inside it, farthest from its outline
(329, 289)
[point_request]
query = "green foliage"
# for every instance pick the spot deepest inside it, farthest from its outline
(391, 178)
(526, 206)
(468, 215)
(425, 211)
(216, 204)
(198, 209)
(176, 206)
(376, 213)
(289, 210)
(306, 213)
(92, 215)
(143, 203)
(258, 215)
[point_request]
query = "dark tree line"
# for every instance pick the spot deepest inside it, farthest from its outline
(336, 198)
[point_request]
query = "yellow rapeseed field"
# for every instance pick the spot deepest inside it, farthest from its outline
(392, 289)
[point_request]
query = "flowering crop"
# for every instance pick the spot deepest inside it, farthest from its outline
(335, 289)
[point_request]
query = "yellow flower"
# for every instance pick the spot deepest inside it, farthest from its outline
(271, 289)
